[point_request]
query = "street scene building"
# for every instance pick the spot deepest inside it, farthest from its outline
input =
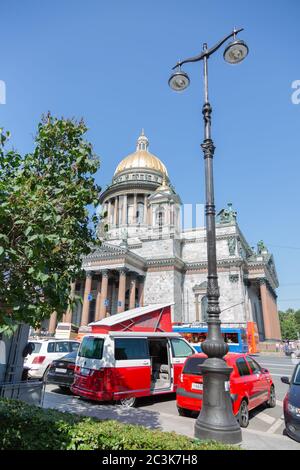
(148, 257)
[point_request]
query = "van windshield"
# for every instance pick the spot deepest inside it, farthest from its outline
(91, 347)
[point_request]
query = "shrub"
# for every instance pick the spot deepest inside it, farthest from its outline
(27, 427)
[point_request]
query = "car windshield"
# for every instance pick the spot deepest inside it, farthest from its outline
(192, 365)
(91, 347)
(296, 376)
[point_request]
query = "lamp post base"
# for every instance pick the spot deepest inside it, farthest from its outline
(216, 420)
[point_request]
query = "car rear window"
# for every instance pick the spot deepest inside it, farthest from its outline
(192, 365)
(91, 348)
(36, 346)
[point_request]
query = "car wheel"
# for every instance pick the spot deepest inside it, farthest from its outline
(129, 402)
(271, 403)
(64, 388)
(243, 415)
(184, 412)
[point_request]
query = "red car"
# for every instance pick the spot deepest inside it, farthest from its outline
(250, 386)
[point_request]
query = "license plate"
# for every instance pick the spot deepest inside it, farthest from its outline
(62, 371)
(196, 386)
(84, 371)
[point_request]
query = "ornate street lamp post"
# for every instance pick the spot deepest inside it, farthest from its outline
(216, 419)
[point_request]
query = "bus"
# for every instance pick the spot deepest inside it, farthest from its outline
(239, 336)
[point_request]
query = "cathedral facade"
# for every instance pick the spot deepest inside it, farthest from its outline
(146, 256)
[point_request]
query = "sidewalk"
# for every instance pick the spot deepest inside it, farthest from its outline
(252, 440)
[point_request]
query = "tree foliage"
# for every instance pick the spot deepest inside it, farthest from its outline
(45, 225)
(289, 323)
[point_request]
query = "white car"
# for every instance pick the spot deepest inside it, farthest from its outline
(44, 352)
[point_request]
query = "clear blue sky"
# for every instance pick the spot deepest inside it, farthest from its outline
(109, 63)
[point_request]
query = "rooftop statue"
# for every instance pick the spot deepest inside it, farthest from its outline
(225, 216)
(261, 247)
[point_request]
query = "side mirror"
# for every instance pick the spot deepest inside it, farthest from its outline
(265, 371)
(285, 380)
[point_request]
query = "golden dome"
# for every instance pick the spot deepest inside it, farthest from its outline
(141, 159)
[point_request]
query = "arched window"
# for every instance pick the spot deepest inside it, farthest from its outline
(160, 217)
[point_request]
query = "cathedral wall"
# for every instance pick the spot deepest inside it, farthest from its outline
(231, 296)
(156, 248)
(159, 287)
(196, 251)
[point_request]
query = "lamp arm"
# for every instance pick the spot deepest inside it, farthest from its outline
(208, 52)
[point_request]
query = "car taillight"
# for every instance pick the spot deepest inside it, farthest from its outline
(38, 359)
(71, 366)
(77, 370)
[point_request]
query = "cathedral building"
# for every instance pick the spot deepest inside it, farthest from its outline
(146, 257)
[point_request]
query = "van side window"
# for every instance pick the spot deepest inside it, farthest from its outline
(180, 348)
(131, 348)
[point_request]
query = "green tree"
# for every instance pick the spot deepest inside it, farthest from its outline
(45, 225)
(290, 328)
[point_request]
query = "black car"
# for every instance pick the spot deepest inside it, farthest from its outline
(291, 405)
(61, 371)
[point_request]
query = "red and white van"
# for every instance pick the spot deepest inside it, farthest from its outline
(122, 365)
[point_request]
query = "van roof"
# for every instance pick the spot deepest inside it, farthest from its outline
(129, 314)
(136, 334)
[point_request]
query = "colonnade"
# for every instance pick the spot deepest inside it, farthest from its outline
(121, 280)
(118, 213)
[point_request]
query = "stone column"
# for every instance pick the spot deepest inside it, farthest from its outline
(109, 212)
(266, 314)
(52, 323)
(98, 301)
(68, 314)
(116, 211)
(103, 295)
(141, 291)
(197, 307)
(134, 208)
(132, 291)
(124, 216)
(86, 302)
(122, 290)
(145, 209)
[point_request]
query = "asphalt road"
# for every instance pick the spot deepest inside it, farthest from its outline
(266, 420)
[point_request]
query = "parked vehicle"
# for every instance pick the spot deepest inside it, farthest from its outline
(291, 404)
(44, 352)
(122, 366)
(235, 336)
(61, 371)
(250, 386)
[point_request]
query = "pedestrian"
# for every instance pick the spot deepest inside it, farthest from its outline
(277, 347)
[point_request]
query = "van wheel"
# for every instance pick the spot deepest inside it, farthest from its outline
(271, 403)
(184, 412)
(129, 402)
(243, 415)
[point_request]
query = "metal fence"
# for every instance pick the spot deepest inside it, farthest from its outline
(31, 392)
